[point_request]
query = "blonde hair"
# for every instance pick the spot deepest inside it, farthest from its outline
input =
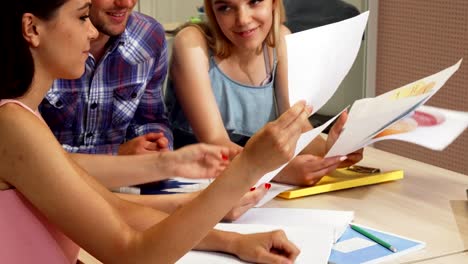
(221, 45)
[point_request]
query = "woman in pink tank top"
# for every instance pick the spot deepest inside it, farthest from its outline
(47, 197)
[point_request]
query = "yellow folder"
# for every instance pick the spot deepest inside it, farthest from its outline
(342, 179)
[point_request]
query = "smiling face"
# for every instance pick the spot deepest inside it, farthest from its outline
(64, 40)
(245, 23)
(110, 16)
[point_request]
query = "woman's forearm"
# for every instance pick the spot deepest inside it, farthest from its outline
(118, 171)
(216, 240)
(167, 203)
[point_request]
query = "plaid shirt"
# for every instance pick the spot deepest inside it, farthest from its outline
(118, 98)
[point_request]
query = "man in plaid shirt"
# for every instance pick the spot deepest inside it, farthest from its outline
(117, 106)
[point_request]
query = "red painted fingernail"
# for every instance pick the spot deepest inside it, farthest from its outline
(252, 189)
(267, 186)
(224, 157)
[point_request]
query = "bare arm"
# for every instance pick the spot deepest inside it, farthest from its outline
(194, 161)
(167, 203)
(189, 72)
(117, 171)
(281, 81)
(171, 202)
(110, 228)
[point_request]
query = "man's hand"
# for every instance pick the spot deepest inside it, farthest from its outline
(145, 144)
(307, 169)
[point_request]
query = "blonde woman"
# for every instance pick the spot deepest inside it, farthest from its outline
(228, 78)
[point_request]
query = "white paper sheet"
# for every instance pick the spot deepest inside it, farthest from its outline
(315, 244)
(275, 189)
(302, 142)
(370, 116)
(439, 127)
(320, 58)
(298, 217)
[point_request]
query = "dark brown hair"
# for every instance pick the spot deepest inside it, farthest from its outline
(17, 69)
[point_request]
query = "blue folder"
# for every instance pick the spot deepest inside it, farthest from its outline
(374, 253)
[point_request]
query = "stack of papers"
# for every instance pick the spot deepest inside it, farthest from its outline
(323, 236)
(318, 239)
(337, 221)
(312, 231)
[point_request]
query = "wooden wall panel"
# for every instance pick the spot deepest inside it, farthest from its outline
(417, 38)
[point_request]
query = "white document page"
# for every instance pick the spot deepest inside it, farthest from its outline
(431, 127)
(320, 58)
(275, 189)
(302, 142)
(315, 244)
(369, 116)
(298, 217)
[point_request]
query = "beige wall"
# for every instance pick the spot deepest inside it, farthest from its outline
(416, 39)
(167, 11)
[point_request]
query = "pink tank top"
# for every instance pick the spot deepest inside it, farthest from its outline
(25, 234)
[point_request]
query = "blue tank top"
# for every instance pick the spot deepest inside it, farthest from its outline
(244, 109)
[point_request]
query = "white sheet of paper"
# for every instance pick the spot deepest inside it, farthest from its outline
(369, 116)
(320, 58)
(302, 142)
(274, 190)
(353, 244)
(298, 217)
(436, 136)
(315, 244)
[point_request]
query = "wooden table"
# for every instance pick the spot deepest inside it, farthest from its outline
(430, 204)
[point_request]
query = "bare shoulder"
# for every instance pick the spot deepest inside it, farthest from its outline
(12, 118)
(24, 128)
(20, 129)
(284, 31)
(10, 114)
(190, 50)
(190, 36)
(24, 137)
